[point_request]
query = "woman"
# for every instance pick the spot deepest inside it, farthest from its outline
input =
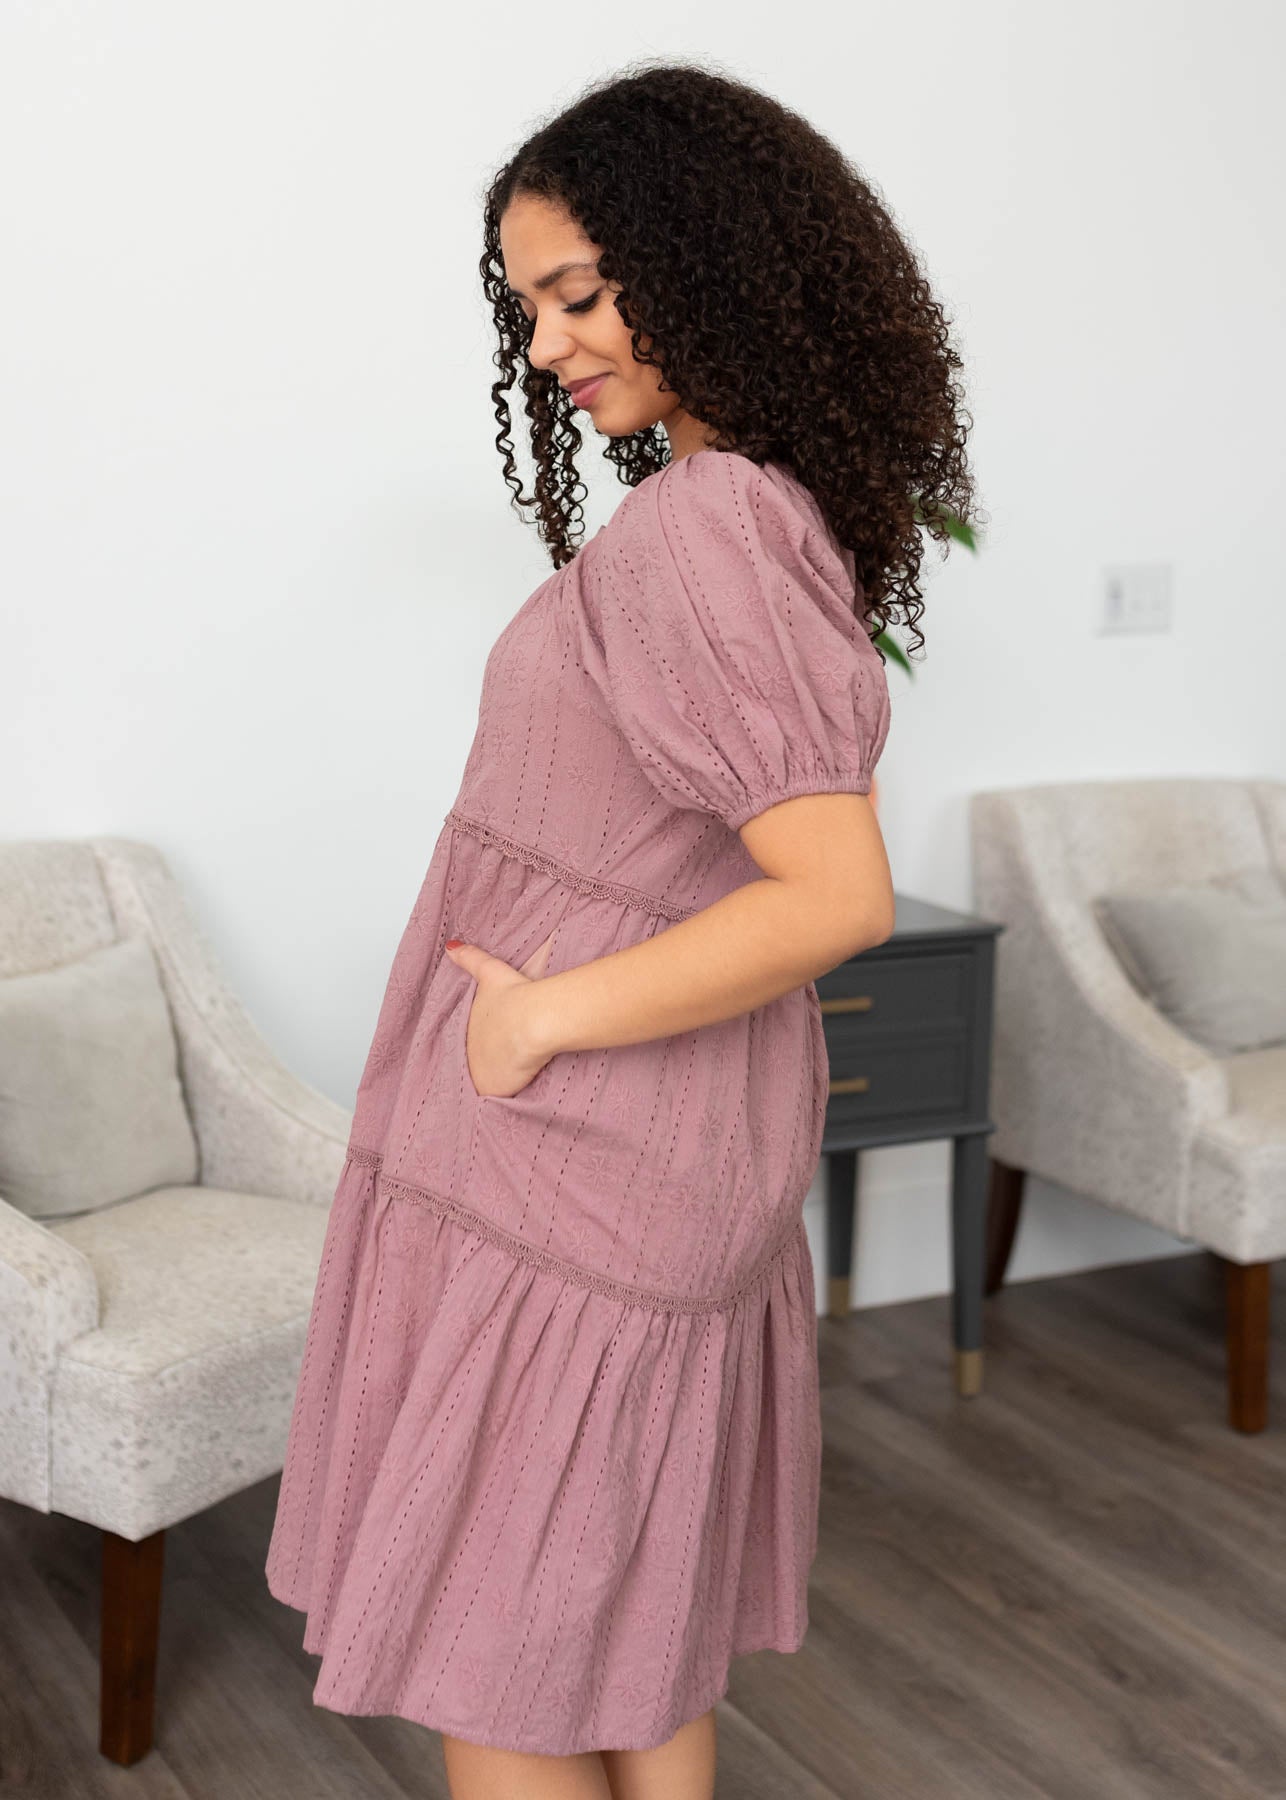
(555, 1453)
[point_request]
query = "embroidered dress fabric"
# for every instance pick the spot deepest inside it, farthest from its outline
(555, 1450)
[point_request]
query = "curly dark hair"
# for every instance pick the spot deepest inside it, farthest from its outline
(732, 225)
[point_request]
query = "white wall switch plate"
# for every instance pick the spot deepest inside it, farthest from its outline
(1137, 597)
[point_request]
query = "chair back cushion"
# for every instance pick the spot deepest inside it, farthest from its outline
(1098, 837)
(91, 1102)
(1210, 955)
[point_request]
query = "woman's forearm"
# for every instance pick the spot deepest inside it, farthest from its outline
(758, 942)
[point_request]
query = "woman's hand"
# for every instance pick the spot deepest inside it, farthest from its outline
(497, 1053)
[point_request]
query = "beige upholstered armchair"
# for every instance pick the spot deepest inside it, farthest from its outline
(1093, 1086)
(151, 1340)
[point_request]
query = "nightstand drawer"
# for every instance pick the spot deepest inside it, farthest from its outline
(872, 995)
(921, 1077)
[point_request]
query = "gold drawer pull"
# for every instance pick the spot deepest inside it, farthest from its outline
(853, 1003)
(851, 1084)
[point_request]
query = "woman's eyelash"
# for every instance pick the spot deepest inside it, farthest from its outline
(577, 306)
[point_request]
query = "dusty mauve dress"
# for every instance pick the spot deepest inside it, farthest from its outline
(555, 1450)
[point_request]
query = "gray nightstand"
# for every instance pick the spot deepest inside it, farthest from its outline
(908, 1032)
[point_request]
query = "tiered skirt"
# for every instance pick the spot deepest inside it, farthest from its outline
(532, 1508)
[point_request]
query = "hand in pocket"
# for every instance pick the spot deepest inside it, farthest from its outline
(497, 1056)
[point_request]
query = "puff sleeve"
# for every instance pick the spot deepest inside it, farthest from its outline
(726, 643)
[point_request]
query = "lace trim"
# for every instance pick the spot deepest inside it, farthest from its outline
(624, 1291)
(586, 884)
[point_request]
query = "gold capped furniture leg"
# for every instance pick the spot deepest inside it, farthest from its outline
(968, 1256)
(968, 1371)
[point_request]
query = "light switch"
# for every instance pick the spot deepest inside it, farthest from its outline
(1137, 597)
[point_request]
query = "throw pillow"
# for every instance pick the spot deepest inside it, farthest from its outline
(91, 1105)
(1210, 955)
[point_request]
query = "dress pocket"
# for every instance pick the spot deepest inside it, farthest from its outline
(533, 1090)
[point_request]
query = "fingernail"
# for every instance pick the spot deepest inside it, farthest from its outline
(454, 943)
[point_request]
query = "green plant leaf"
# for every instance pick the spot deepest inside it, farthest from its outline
(955, 527)
(954, 524)
(894, 651)
(963, 533)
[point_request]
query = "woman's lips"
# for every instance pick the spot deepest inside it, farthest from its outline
(584, 393)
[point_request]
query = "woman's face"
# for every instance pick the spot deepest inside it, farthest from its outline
(577, 332)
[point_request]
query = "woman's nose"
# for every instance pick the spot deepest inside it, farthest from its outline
(548, 345)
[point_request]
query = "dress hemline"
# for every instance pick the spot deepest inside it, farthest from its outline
(648, 1740)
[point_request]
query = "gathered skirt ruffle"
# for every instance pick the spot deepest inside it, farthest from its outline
(531, 1513)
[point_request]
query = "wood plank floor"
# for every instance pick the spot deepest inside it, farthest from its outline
(1071, 1587)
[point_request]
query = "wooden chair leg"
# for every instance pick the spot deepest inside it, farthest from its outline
(1004, 1207)
(1248, 1287)
(131, 1619)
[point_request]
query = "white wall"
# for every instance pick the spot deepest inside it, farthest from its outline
(255, 541)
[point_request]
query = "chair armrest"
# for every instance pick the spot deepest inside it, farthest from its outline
(260, 1128)
(1092, 1086)
(48, 1296)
